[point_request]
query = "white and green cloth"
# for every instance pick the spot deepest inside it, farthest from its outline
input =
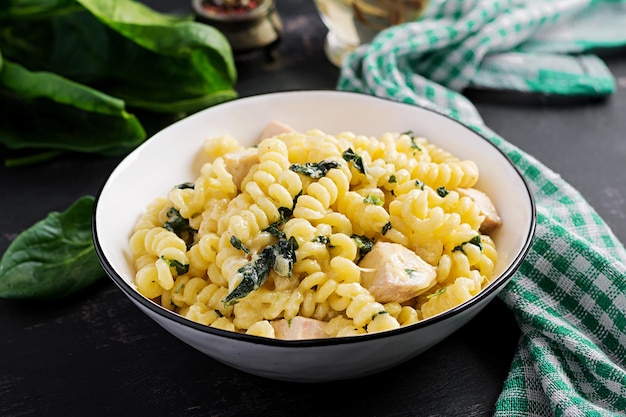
(569, 295)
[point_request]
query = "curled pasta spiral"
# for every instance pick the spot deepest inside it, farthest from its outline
(342, 245)
(219, 146)
(155, 214)
(467, 258)
(229, 259)
(367, 219)
(165, 244)
(312, 146)
(185, 290)
(364, 310)
(214, 182)
(450, 174)
(159, 251)
(203, 254)
(273, 175)
(458, 292)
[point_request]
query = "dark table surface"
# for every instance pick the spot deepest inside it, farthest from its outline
(95, 354)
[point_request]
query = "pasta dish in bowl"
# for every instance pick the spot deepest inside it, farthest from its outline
(329, 236)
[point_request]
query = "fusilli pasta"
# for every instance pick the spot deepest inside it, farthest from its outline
(283, 240)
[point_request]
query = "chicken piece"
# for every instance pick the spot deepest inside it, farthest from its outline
(492, 219)
(274, 128)
(394, 273)
(299, 328)
(238, 163)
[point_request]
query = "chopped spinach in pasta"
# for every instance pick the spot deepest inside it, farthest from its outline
(253, 274)
(411, 135)
(364, 245)
(315, 170)
(237, 244)
(279, 257)
(179, 225)
(356, 160)
(476, 241)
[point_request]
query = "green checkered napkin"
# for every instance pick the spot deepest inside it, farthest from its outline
(536, 46)
(569, 295)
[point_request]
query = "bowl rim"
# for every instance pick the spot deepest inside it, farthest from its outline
(504, 277)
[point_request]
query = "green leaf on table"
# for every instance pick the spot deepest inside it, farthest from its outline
(151, 60)
(70, 116)
(77, 67)
(163, 61)
(54, 258)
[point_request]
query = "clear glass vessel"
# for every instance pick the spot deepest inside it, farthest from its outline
(352, 23)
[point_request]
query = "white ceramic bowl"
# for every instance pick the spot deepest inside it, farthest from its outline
(168, 158)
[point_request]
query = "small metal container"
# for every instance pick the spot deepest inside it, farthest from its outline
(247, 25)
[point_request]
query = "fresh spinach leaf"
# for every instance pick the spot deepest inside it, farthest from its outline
(78, 65)
(54, 258)
(151, 60)
(70, 116)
